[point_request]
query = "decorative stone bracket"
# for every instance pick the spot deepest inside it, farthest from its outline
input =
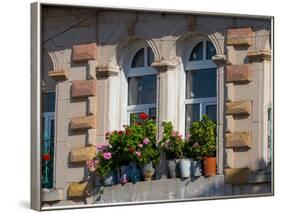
(239, 74)
(240, 36)
(106, 71)
(83, 122)
(238, 108)
(82, 154)
(84, 88)
(259, 55)
(163, 65)
(239, 140)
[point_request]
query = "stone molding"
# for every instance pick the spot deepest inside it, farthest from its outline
(239, 74)
(240, 36)
(164, 65)
(219, 60)
(59, 74)
(259, 55)
(84, 52)
(106, 71)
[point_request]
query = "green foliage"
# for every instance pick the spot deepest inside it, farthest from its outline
(172, 143)
(105, 166)
(203, 138)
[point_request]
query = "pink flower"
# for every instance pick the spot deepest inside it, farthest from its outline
(195, 145)
(145, 141)
(187, 136)
(107, 155)
(140, 145)
(101, 147)
(174, 133)
(138, 154)
(92, 164)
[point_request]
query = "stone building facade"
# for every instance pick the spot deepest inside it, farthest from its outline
(87, 60)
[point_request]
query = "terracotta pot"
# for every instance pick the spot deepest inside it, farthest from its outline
(209, 164)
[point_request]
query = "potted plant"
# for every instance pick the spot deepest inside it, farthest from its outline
(173, 145)
(203, 138)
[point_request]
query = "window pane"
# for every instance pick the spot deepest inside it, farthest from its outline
(192, 112)
(211, 111)
(142, 90)
(135, 117)
(138, 60)
(197, 52)
(201, 83)
(48, 101)
(152, 113)
(211, 51)
(150, 56)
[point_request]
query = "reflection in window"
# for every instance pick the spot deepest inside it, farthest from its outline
(138, 60)
(192, 114)
(211, 51)
(197, 52)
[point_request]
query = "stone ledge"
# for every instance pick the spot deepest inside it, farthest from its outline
(106, 71)
(82, 154)
(239, 74)
(84, 52)
(259, 55)
(236, 108)
(164, 65)
(240, 36)
(84, 88)
(59, 74)
(83, 122)
(52, 195)
(239, 140)
(219, 59)
(236, 176)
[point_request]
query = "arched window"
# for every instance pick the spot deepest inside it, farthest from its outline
(201, 84)
(142, 84)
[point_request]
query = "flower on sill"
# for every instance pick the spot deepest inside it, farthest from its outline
(143, 116)
(138, 154)
(120, 132)
(180, 136)
(131, 149)
(101, 147)
(187, 136)
(145, 141)
(92, 164)
(107, 135)
(140, 145)
(46, 157)
(195, 145)
(174, 133)
(107, 155)
(128, 132)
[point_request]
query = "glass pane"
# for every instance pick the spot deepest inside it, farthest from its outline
(211, 111)
(48, 101)
(192, 112)
(135, 117)
(150, 56)
(142, 90)
(152, 113)
(197, 52)
(211, 51)
(201, 83)
(138, 60)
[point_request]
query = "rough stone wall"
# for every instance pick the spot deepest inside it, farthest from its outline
(86, 63)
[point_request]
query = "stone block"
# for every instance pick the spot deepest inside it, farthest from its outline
(52, 195)
(238, 108)
(84, 52)
(84, 88)
(229, 158)
(240, 36)
(91, 137)
(236, 175)
(84, 122)
(229, 125)
(77, 190)
(239, 140)
(82, 154)
(92, 105)
(59, 74)
(239, 74)
(230, 92)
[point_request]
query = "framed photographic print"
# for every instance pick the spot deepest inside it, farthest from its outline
(136, 106)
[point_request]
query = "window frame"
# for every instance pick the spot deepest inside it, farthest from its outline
(197, 66)
(135, 72)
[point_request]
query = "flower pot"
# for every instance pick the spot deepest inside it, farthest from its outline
(148, 171)
(209, 166)
(196, 168)
(124, 174)
(135, 174)
(110, 179)
(185, 167)
(172, 164)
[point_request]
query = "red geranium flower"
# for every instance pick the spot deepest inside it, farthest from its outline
(144, 116)
(131, 149)
(120, 132)
(46, 157)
